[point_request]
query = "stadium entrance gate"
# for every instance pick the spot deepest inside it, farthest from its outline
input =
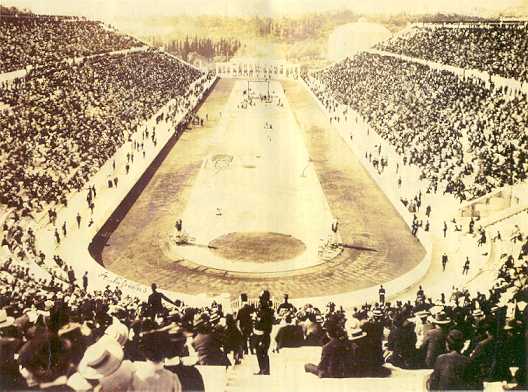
(259, 69)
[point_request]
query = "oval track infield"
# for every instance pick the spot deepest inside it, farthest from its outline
(257, 247)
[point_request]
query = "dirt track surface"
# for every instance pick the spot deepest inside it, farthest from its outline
(381, 247)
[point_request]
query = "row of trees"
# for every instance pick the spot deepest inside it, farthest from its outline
(312, 26)
(13, 11)
(207, 47)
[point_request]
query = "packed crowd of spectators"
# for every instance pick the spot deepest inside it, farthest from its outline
(38, 40)
(58, 336)
(466, 139)
(497, 48)
(62, 123)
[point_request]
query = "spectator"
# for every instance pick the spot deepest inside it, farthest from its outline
(434, 341)
(451, 370)
(333, 363)
(150, 375)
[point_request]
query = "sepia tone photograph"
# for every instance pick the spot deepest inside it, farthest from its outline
(263, 195)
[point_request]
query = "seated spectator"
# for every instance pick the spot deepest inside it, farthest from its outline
(151, 375)
(451, 370)
(206, 343)
(103, 366)
(289, 334)
(333, 363)
(494, 47)
(488, 357)
(38, 40)
(10, 342)
(313, 329)
(45, 362)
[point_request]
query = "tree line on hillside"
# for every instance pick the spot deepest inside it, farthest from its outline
(14, 11)
(207, 47)
(311, 26)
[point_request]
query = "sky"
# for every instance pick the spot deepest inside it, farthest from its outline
(112, 9)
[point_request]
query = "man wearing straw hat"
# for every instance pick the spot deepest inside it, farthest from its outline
(103, 365)
(374, 329)
(434, 341)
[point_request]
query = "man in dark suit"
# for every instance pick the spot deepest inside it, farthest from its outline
(373, 341)
(155, 301)
(333, 363)
(262, 331)
(451, 370)
(245, 323)
(434, 343)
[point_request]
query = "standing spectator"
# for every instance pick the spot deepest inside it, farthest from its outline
(71, 276)
(434, 342)
(85, 281)
(78, 218)
(233, 339)
(381, 293)
(155, 301)
(262, 331)
(402, 342)
(245, 324)
(444, 261)
(465, 270)
(373, 356)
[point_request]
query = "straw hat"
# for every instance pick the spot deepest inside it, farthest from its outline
(422, 314)
(357, 333)
(5, 320)
(70, 327)
(441, 319)
(200, 318)
(118, 331)
(101, 359)
(215, 317)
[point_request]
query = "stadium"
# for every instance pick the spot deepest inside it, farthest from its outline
(333, 201)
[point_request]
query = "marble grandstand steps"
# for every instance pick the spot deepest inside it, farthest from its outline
(287, 374)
